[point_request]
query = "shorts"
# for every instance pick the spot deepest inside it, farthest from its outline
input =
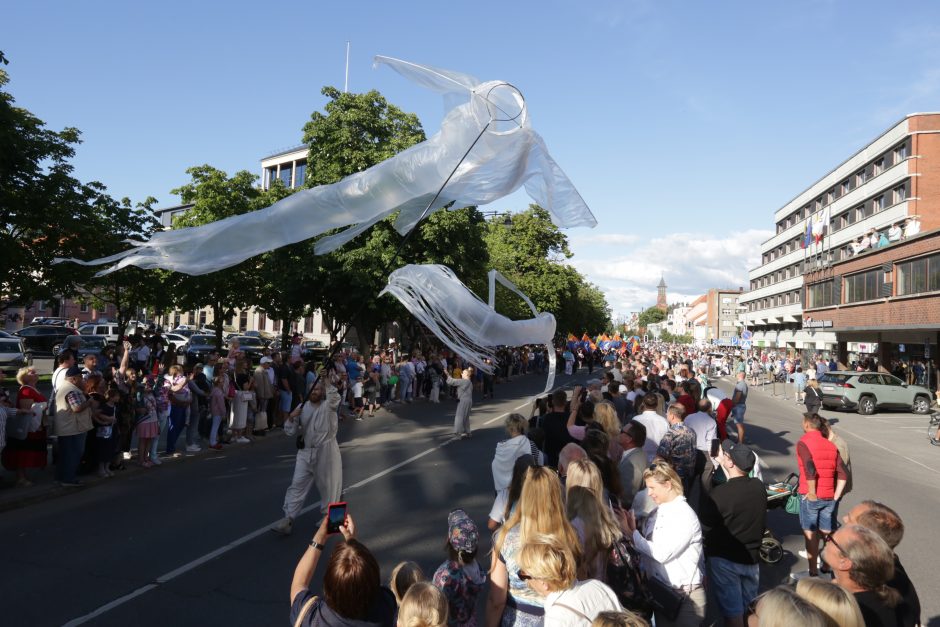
(737, 414)
(816, 515)
(286, 398)
(735, 585)
(357, 402)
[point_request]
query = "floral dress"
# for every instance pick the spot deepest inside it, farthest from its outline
(524, 608)
(461, 585)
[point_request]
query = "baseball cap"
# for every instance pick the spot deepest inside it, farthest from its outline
(74, 371)
(462, 531)
(266, 360)
(741, 454)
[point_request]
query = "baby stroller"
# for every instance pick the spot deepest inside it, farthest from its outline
(778, 495)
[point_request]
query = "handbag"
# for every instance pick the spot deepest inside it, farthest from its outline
(793, 504)
(38, 410)
(666, 600)
(261, 420)
(626, 580)
(18, 425)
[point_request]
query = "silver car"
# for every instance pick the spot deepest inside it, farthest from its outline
(13, 355)
(866, 392)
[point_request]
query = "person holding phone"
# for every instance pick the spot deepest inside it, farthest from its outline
(353, 593)
(318, 458)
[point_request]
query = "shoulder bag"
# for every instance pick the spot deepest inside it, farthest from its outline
(625, 578)
(305, 610)
(666, 600)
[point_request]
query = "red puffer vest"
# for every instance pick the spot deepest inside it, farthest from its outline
(825, 456)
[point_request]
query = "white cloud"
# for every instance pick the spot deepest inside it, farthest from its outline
(691, 264)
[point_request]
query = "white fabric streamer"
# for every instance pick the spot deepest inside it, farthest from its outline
(508, 155)
(470, 327)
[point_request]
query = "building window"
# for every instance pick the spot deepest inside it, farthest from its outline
(176, 319)
(277, 326)
(270, 175)
(308, 324)
(900, 194)
(285, 175)
(192, 317)
(202, 318)
(919, 275)
(262, 321)
(879, 166)
(844, 188)
(243, 320)
(900, 153)
(863, 286)
(864, 211)
(878, 203)
(83, 307)
(819, 294)
(860, 177)
(830, 196)
(300, 173)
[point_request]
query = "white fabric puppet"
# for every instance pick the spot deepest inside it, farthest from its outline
(488, 119)
(470, 327)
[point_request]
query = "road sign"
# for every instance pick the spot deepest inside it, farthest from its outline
(734, 340)
(746, 344)
(746, 335)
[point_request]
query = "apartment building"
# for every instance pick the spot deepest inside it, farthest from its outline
(894, 180)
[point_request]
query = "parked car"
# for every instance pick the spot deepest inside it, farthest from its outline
(59, 322)
(314, 350)
(44, 339)
(175, 340)
(110, 330)
(92, 345)
(867, 392)
(198, 347)
(266, 337)
(13, 355)
(253, 347)
(187, 333)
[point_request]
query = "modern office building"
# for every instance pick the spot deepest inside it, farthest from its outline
(892, 181)
(289, 166)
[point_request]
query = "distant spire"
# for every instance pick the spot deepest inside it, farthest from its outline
(662, 281)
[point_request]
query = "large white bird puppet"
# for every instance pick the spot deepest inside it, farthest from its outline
(485, 150)
(471, 328)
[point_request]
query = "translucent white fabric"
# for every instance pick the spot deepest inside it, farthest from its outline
(470, 327)
(508, 155)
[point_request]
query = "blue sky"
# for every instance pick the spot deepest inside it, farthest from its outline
(684, 125)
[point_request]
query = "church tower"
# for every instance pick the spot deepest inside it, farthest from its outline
(661, 294)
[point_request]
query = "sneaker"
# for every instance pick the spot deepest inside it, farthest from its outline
(242, 440)
(155, 461)
(193, 448)
(147, 465)
(284, 527)
(358, 418)
(103, 474)
(216, 447)
(464, 436)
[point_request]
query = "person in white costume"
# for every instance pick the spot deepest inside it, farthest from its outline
(464, 386)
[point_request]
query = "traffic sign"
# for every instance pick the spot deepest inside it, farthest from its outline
(734, 340)
(746, 344)
(746, 335)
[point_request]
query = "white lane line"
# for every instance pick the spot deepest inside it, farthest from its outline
(199, 561)
(885, 448)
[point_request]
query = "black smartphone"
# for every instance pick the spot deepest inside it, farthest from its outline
(335, 517)
(716, 444)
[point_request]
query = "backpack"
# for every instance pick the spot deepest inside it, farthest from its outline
(626, 580)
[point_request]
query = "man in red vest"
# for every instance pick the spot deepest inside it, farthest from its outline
(822, 480)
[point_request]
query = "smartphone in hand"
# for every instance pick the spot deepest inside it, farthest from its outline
(335, 517)
(715, 445)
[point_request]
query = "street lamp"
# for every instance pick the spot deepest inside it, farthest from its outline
(507, 217)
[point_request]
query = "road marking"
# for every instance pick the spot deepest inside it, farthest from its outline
(199, 561)
(885, 448)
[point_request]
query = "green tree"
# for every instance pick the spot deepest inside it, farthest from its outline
(651, 316)
(216, 196)
(130, 288)
(44, 211)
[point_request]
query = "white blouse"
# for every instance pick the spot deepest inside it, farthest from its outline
(672, 544)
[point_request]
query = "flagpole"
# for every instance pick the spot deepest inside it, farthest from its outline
(346, 84)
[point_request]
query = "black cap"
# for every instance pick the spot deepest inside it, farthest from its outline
(74, 371)
(741, 454)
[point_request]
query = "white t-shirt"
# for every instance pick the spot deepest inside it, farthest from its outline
(580, 605)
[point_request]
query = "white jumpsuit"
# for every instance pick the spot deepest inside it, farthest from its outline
(464, 402)
(319, 461)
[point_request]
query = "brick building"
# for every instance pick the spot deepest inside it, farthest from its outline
(882, 303)
(890, 185)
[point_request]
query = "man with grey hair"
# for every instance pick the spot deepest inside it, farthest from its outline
(863, 564)
(678, 445)
(569, 454)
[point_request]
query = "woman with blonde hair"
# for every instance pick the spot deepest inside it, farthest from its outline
(591, 518)
(839, 606)
(19, 455)
(781, 607)
(405, 575)
(540, 511)
(605, 414)
(671, 544)
(549, 568)
(623, 618)
(423, 606)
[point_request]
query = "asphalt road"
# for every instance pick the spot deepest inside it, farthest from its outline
(187, 543)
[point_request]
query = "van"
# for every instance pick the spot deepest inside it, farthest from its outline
(110, 331)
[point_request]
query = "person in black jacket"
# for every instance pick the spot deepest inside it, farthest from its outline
(812, 397)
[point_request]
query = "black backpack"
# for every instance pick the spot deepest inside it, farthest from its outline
(627, 580)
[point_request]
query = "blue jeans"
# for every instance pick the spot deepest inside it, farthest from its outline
(816, 515)
(177, 423)
(735, 585)
(406, 392)
(71, 448)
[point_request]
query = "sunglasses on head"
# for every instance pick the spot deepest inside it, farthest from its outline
(524, 576)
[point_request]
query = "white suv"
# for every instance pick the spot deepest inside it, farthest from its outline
(110, 331)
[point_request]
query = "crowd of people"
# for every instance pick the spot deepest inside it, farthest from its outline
(618, 506)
